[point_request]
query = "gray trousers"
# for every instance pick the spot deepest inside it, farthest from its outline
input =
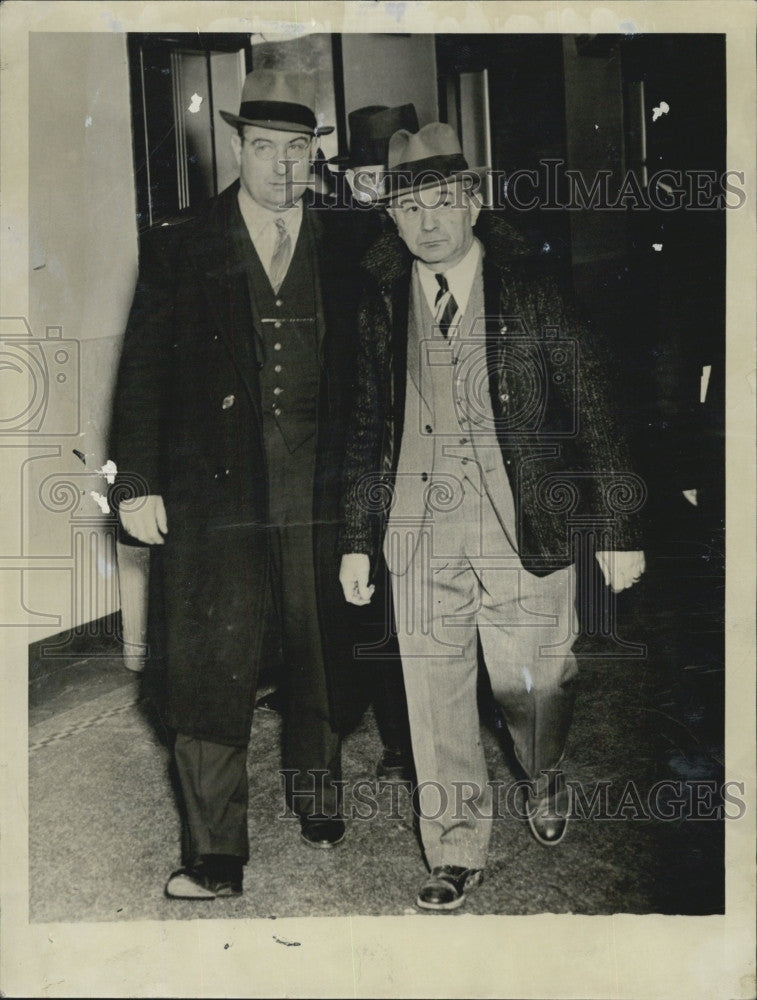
(465, 580)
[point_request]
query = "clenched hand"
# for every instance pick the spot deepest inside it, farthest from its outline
(144, 518)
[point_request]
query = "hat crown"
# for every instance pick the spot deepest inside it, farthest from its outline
(283, 88)
(378, 121)
(433, 140)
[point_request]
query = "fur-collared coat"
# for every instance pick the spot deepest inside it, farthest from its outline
(564, 453)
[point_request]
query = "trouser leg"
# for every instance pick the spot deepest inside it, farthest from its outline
(440, 665)
(312, 748)
(523, 623)
(214, 788)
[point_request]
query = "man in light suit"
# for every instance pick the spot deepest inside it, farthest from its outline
(480, 422)
(226, 432)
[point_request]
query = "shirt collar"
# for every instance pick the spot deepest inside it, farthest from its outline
(257, 217)
(460, 277)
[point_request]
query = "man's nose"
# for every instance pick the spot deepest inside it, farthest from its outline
(280, 164)
(428, 219)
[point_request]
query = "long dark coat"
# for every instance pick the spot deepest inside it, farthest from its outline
(188, 426)
(551, 397)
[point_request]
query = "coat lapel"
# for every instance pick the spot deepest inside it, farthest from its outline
(219, 255)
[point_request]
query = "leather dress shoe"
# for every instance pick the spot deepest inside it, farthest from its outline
(320, 831)
(199, 881)
(395, 766)
(446, 886)
(274, 701)
(547, 810)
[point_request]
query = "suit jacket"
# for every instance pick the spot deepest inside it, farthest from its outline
(188, 425)
(562, 448)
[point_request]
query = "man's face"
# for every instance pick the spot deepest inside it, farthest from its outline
(437, 223)
(273, 166)
(365, 182)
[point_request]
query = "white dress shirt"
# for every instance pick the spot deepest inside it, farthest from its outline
(261, 225)
(460, 278)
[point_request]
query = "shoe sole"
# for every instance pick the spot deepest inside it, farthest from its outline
(322, 845)
(181, 887)
(455, 904)
(440, 907)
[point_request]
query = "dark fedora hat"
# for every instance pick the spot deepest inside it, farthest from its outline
(281, 101)
(370, 130)
(422, 159)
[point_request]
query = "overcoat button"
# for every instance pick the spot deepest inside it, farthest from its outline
(429, 429)
(228, 402)
(424, 477)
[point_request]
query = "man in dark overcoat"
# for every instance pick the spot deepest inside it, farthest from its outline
(482, 443)
(228, 409)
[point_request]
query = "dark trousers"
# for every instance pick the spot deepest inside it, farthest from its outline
(213, 777)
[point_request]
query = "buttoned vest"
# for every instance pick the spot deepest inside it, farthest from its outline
(448, 441)
(289, 376)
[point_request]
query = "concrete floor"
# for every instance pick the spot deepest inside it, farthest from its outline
(104, 831)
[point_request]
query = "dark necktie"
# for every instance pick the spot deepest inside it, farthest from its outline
(282, 253)
(445, 307)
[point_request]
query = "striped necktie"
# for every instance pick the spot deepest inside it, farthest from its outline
(282, 253)
(445, 307)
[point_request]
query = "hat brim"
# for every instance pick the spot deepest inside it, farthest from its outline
(277, 126)
(470, 173)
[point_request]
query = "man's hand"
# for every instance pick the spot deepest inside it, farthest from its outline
(621, 569)
(144, 518)
(353, 576)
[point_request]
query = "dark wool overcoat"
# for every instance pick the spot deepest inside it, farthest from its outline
(564, 453)
(188, 426)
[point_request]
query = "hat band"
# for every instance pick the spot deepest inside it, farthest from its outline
(278, 111)
(426, 171)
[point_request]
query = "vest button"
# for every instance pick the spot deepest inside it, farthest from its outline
(228, 402)
(424, 477)
(463, 440)
(277, 346)
(277, 391)
(276, 411)
(277, 368)
(277, 324)
(279, 302)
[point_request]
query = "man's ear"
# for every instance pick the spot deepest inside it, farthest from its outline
(474, 205)
(236, 147)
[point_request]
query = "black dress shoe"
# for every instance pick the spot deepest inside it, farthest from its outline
(446, 886)
(547, 810)
(199, 881)
(395, 765)
(322, 831)
(274, 701)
